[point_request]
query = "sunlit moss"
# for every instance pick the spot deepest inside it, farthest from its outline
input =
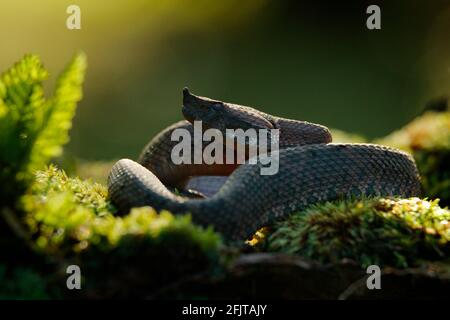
(72, 219)
(51, 182)
(258, 237)
(429, 131)
(434, 166)
(428, 139)
(395, 232)
(60, 207)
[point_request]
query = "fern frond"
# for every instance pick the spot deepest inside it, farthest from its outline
(33, 129)
(21, 99)
(60, 109)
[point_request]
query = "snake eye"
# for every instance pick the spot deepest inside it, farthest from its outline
(217, 106)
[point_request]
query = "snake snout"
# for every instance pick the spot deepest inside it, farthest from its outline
(196, 108)
(187, 96)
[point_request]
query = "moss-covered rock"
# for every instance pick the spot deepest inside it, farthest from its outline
(50, 220)
(386, 232)
(429, 131)
(127, 256)
(427, 138)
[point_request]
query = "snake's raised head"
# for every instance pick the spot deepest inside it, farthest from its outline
(221, 115)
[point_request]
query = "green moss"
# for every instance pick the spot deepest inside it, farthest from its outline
(72, 219)
(434, 167)
(390, 232)
(431, 131)
(87, 194)
(427, 138)
(60, 207)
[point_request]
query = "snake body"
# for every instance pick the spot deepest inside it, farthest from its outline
(311, 170)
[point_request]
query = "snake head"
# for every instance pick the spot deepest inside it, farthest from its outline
(221, 115)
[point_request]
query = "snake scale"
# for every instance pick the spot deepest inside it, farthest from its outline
(311, 170)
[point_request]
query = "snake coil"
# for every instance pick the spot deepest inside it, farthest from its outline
(311, 170)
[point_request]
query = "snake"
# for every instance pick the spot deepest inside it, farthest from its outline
(311, 170)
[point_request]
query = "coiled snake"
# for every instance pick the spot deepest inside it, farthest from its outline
(311, 170)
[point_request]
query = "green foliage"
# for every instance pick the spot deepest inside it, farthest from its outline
(61, 208)
(32, 128)
(434, 167)
(429, 131)
(58, 113)
(68, 220)
(53, 182)
(428, 139)
(390, 232)
(73, 219)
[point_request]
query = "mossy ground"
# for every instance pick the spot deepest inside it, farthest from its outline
(72, 220)
(50, 220)
(395, 232)
(386, 232)
(427, 138)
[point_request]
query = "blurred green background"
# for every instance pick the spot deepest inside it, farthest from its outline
(313, 60)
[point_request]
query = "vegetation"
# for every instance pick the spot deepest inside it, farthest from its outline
(50, 220)
(385, 232)
(54, 219)
(73, 220)
(428, 139)
(32, 128)
(395, 232)
(32, 131)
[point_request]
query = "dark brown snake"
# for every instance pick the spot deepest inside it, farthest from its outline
(311, 170)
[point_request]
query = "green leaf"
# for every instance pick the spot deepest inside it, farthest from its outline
(60, 110)
(33, 129)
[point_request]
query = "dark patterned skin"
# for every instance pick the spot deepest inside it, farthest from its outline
(311, 170)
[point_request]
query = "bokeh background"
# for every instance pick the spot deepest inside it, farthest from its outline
(309, 60)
